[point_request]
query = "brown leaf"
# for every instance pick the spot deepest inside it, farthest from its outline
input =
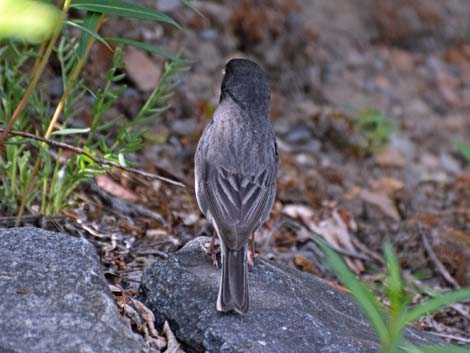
(388, 158)
(24, 291)
(173, 345)
(383, 202)
(305, 265)
(452, 248)
(113, 188)
(387, 185)
(335, 231)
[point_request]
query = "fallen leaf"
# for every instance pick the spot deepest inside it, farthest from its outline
(383, 202)
(301, 212)
(335, 231)
(110, 186)
(452, 248)
(387, 185)
(144, 72)
(173, 345)
(305, 265)
(388, 158)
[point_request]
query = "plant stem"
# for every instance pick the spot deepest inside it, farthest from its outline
(37, 72)
(99, 161)
(56, 115)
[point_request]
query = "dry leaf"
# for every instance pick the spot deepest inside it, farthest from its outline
(305, 265)
(388, 185)
(388, 158)
(111, 187)
(383, 202)
(301, 212)
(335, 231)
(173, 345)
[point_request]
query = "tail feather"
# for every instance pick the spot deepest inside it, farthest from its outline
(233, 292)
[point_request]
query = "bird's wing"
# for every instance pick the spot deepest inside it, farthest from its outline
(239, 203)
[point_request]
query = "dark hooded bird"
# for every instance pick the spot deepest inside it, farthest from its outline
(235, 174)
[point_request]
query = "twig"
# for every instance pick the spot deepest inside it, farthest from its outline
(374, 255)
(8, 222)
(436, 262)
(451, 337)
(345, 252)
(97, 160)
(37, 72)
(126, 207)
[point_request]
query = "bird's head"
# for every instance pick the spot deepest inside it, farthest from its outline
(246, 83)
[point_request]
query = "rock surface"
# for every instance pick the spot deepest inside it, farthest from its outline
(54, 297)
(290, 311)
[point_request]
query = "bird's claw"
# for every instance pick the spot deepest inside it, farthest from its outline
(250, 259)
(212, 251)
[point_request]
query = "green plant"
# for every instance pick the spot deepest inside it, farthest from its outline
(462, 149)
(32, 174)
(391, 324)
(375, 128)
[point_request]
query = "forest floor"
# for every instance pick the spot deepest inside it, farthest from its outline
(370, 101)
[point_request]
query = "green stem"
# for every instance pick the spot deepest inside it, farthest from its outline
(56, 115)
(37, 72)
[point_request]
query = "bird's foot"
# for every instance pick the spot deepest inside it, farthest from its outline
(212, 250)
(250, 259)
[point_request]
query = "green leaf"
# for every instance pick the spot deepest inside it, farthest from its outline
(122, 160)
(121, 8)
(462, 148)
(87, 29)
(147, 47)
(32, 21)
(436, 349)
(395, 284)
(364, 297)
(436, 303)
(192, 7)
(71, 131)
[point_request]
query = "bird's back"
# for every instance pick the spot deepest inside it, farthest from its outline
(236, 162)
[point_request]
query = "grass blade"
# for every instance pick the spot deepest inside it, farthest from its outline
(364, 297)
(395, 284)
(192, 7)
(121, 8)
(71, 131)
(87, 31)
(147, 47)
(436, 349)
(440, 301)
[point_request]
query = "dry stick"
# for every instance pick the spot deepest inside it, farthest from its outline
(37, 74)
(97, 160)
(436, 262)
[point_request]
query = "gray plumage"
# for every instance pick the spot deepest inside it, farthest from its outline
(235, 173)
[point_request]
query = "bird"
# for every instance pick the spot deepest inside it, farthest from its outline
(236, 163)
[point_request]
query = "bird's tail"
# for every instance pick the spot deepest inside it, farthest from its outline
(233, 292)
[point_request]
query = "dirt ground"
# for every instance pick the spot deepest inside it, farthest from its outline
(329, 63)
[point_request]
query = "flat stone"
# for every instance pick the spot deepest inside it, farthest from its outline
(54, 297)
(290, 311)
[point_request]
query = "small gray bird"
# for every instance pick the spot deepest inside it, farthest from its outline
(235, 174)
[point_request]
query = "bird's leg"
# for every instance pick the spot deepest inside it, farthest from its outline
(251, 251)
(212, 250)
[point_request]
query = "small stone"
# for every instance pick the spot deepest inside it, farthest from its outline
(142, 70)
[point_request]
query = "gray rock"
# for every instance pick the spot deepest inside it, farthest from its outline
(54, 297)
(290, 311)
